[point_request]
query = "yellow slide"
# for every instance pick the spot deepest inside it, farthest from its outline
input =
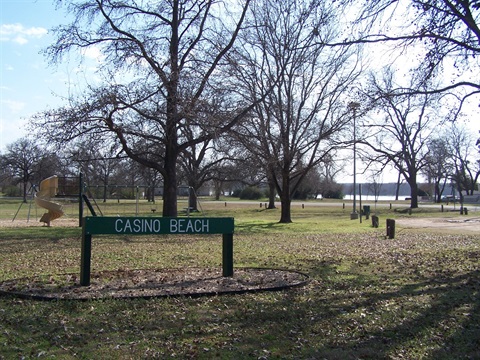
(48, 189)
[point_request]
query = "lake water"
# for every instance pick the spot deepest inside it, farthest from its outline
(372, 198)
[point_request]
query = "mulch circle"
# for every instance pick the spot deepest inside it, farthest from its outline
(148, 283)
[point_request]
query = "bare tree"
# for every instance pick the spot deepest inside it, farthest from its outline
(198, 165)
(28, 163)
(147, 177)
(399, 131)
(98, 163)
(162, 63)
(226, 178)
(295, 127)
(441, 29)
(328, 171)
(466, 165)
(438, 164)
(445, 33)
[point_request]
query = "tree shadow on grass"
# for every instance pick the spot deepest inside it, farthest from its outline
(436, 318)
(342, 318)
(259, 228)
(446, 327)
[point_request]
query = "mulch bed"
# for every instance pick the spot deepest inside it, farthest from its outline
(127, 283)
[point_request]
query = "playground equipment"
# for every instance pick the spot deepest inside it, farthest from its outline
(60, 195)
(48, 190)
(31, 193)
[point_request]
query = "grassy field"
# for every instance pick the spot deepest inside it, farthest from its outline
(413, 297)
(15, 209)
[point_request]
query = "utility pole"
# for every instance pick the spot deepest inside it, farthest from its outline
(354, 106)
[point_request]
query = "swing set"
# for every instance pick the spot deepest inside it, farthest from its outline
(75, 190)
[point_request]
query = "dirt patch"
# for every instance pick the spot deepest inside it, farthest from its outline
(62, 222)
(151, 283)
(451, 225)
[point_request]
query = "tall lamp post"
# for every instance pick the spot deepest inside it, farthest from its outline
(354, 106)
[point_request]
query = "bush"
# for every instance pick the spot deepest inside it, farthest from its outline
(12, 191)
(251, 193)
(333, 194)
(236, 192)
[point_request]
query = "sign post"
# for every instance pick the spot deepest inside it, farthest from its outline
(227, 255)
(95, 225)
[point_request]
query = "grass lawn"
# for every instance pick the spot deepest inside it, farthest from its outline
(413, 297)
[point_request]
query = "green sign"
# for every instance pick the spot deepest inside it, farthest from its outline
(93, 225)
(157, 225)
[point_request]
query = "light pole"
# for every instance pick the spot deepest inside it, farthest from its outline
(354, 106)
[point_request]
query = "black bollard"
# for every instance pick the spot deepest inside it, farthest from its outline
(391, 228)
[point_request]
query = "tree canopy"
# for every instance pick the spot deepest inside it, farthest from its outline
(161, 77)
(204, 90)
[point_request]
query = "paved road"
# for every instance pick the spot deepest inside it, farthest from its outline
(380, 204)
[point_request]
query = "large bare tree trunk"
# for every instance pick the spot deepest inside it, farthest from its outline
(285, 199)
(170, 183)
(170, 197)
(286, 216)
(412, 181)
